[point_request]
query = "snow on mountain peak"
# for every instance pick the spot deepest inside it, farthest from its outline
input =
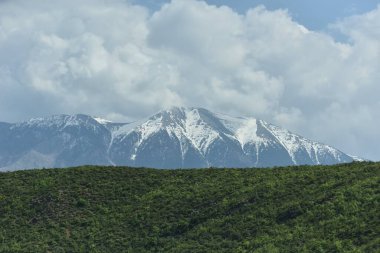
(102, 121)
(247, 132)
(201, 128)
(60, 121)
(197, 126)
(178, 137)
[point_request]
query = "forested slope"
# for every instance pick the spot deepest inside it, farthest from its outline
(107, 209)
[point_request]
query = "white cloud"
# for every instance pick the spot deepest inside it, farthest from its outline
(114, 59)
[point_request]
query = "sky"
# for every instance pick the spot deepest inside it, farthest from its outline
(315, 15)
(309, 66)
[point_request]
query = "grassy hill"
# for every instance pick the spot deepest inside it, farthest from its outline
(106, 209)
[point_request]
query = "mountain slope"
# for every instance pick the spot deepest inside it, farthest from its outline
(106, 209)
(175, 138)
(57, 141)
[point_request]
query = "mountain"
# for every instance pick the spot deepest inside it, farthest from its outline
(175, 138)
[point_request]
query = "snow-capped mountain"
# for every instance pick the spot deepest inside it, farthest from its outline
(175, 138)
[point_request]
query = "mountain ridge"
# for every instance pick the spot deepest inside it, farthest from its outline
(179, 137)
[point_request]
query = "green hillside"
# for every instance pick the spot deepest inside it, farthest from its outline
(106, 209)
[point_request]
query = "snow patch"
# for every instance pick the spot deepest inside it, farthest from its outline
(198, 132)
(102, 121)
(247, 132)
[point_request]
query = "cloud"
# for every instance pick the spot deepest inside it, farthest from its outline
(118, 60)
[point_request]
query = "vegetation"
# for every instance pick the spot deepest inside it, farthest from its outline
(107, 209)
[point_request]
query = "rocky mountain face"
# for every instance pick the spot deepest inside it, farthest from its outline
(175, 138)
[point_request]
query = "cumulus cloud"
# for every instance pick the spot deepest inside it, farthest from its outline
(118, 60)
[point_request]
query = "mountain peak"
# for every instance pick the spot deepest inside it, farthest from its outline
(178, 137)
(177, 111)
